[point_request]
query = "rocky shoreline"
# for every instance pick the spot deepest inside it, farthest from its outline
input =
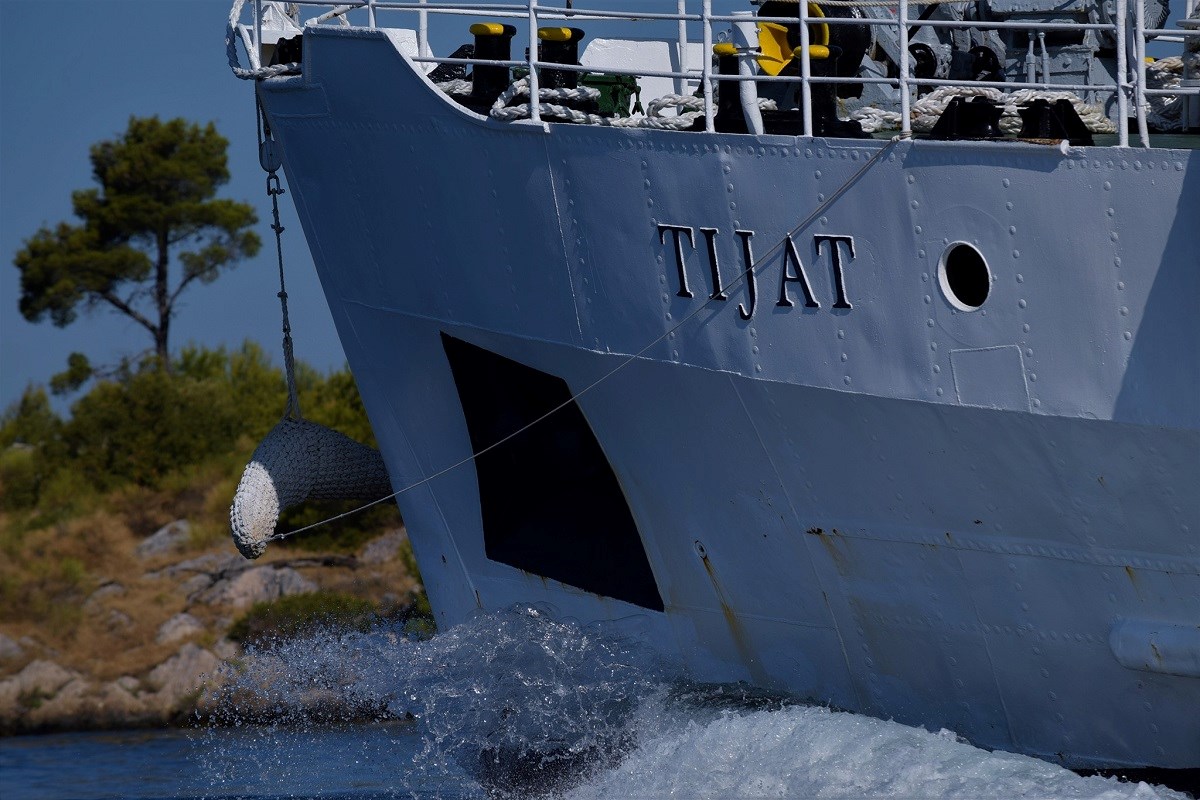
(45, 696)
(153, 639)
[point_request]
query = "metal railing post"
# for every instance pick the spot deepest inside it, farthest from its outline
(905, 99)
(1045, 58)
(535, 110)
(681, 9)
(371, 14)
(256, 56)
(1122, 25)
(1139, 21)
(805, 70)
(1030, 60)
(423, 31)
(706, 67)
(745, 39)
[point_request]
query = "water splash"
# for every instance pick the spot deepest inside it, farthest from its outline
(523, 704)
(521, 701)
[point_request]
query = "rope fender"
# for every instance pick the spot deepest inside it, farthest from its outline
(298, 461)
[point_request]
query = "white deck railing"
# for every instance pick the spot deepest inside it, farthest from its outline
(1129, 30)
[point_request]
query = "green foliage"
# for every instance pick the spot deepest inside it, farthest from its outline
(78, 372)
(337, 403)
(71, 572)
(157, 185)
(20, 477)
(141, 429)
(30, 444)
(149, 424)
(298, 614)
(146, 427)
(63, 495)
(69, 265)
(419, 620)
(30, 421)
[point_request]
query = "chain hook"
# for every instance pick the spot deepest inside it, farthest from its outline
(274, 189)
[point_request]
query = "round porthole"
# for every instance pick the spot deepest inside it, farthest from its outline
(964, 276)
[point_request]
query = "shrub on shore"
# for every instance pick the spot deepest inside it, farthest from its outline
(144, 427)
(268, 623)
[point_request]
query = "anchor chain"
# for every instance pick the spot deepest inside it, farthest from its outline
(270, 160)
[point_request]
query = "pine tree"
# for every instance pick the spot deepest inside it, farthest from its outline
(150, 230)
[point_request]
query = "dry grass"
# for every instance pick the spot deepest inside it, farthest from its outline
(48, 573)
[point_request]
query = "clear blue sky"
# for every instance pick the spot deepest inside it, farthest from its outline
(71, 74)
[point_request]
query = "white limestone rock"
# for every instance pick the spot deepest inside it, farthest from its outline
(117, 702)
(180, 626)
(384, 548)
(44, 676)
(194, 585)
(70, 701)
(10, 649)
(181, 675)
(256, 585)
(118, 621)
(207, 564)
(226, 649)
(168, 539)
(38, 680)
(95, 601)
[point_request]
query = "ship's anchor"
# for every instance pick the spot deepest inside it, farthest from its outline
(299, 459)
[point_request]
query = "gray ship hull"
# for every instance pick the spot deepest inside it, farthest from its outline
(847, 485)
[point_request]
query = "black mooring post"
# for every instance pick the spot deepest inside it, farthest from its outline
(559, 46)
(729, 117)
(493, 42)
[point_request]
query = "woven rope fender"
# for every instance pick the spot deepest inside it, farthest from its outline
(297, 461)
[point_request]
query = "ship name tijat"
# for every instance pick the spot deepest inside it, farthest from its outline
(839, 247)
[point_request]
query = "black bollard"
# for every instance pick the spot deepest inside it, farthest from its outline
(1041, 120)
(977, 119)
(493, 42)
(729, 117)
(559, 46)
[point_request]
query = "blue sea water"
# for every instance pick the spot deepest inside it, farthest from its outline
(363, 761)
(516, 705)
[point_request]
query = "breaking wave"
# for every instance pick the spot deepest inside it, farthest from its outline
(522, 704)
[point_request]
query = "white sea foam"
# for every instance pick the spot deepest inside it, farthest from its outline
(812, 752)
(529, 705)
